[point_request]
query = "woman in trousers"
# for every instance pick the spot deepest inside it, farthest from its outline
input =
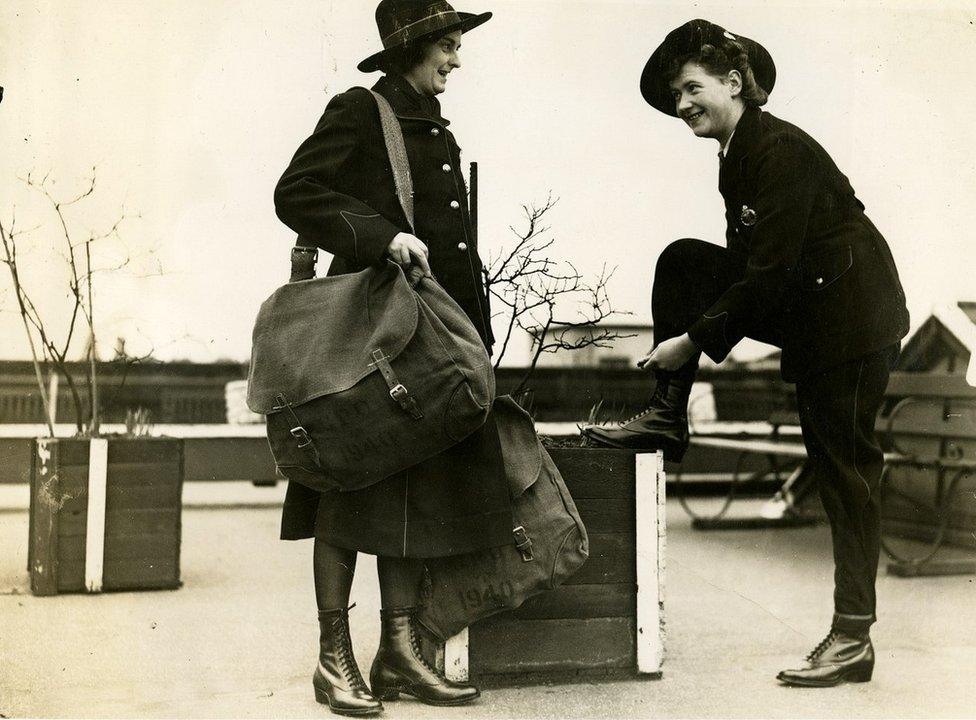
(338, 193)
(803, 269)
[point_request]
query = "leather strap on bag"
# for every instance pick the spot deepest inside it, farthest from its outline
(398, 392)
(298, 431)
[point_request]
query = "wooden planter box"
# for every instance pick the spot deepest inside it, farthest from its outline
(607, 620)
(105, 515)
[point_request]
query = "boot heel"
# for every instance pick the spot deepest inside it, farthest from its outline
(321, 696)
(862, 675)
(391, 694)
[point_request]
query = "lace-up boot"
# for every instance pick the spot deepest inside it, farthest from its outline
(337, 681)
(400, 666)
(663, 425)
(840, 657)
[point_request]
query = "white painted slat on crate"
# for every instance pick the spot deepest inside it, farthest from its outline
(650, 535)
(456, 657)
(95, 533)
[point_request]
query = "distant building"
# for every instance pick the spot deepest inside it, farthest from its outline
(635, 340)
(944, 343)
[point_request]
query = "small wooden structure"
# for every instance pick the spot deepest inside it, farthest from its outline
(105, 514)
(607, 620)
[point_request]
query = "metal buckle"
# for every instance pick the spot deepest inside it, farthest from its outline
(301, 434)
(398, 392)
(523, 543)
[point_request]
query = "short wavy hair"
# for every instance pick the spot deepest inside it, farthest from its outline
(718, 60)
(403, 59)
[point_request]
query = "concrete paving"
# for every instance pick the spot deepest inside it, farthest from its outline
(238, 640)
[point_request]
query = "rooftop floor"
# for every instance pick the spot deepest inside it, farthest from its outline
(238, 640)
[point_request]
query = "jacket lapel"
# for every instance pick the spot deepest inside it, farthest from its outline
(747, 134)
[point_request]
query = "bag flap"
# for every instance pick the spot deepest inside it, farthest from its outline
(520, 445)
(315, 337)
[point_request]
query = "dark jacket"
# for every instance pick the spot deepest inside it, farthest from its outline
(338, 193)
(818, 278)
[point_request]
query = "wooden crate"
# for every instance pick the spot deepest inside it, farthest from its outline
(607, 620)
(105, 514)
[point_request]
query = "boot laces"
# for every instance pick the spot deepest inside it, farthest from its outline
(347, 661)
(415, 647)
(822, 646)
(634, 417)
(657, 398)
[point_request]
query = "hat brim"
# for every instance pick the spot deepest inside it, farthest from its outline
(654, 84)
(466, 22)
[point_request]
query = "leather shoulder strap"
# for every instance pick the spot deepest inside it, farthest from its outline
(397, 150)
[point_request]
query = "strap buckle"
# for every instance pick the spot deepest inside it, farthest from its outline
(523, 543)
(398, 392)
(301, 434)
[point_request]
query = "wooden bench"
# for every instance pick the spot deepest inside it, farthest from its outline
(928, 429)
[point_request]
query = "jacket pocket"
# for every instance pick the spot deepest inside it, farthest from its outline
(826, 267)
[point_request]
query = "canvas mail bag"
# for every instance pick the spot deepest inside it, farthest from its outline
(549, 542)
(363, 375)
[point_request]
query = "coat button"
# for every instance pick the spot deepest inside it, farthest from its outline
(462, 246)
(435, 132)
(446, 168)
(455, 204)
(820, 281)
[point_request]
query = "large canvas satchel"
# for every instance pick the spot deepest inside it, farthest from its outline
(365, 374)
(549, 541)
(361, 376)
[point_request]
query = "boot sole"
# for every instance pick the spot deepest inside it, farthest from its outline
(855, 676)
(389, 695)
(322, 698)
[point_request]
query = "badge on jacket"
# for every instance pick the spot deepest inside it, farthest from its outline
(748, 216)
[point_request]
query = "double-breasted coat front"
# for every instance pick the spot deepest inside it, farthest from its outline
(338, 193)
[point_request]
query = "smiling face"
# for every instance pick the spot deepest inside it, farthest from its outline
(709, 104)
(429, 76)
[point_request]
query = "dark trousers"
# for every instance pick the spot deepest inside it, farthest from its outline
(837, 409)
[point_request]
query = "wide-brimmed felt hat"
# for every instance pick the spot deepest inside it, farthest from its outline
(404, 22)
(686, 40)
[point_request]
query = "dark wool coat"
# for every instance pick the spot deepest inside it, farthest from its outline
(338, 193)
(818, 278)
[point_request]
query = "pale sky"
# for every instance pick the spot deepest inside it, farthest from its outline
(190, 112)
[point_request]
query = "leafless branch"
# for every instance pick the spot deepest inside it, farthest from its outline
(532, 287)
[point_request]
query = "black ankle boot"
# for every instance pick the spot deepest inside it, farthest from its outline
(662, 426)
(337, 681)
(840, 657)
(400, 667)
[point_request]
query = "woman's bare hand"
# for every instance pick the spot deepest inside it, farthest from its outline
(407, 250)
(670, 354)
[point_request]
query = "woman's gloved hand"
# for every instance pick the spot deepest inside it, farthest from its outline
(410, 253)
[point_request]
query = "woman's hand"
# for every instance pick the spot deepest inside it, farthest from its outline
(670, 354)
(410, 253)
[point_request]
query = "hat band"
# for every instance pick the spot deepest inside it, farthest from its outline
(420, 28)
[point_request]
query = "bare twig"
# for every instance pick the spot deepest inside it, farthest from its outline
(530, 285)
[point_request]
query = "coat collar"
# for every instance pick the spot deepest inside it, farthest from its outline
(407, 102)
(746, 136)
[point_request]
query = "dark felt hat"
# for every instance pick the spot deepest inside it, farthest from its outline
(403, 22)
(687, 40)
